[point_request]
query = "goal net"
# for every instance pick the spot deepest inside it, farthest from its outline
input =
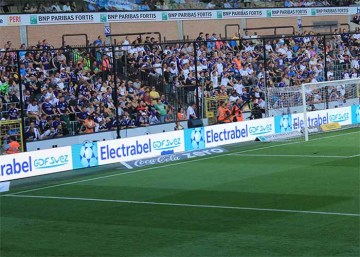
(314, 108)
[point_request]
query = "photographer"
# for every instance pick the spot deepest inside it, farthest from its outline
(256, 112)
(223, 113)
(236, 110)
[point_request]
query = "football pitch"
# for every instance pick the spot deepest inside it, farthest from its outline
(258, 199)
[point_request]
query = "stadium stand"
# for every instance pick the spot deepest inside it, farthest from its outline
(72, 90)
(39, 6)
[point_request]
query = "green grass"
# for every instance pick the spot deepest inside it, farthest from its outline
(320, 189)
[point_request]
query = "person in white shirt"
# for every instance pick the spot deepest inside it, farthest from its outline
(190, 112)
(67, 7)
(32, 110)
(238, 87)
(355, 63)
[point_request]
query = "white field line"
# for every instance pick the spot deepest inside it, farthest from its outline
(294, 155)
(129, 167)
(185, 205)
(173, 164)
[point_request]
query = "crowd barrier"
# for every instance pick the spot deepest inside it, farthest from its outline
(91, 154)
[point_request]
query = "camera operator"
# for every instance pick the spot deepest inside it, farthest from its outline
(256, 112)
(236, 110)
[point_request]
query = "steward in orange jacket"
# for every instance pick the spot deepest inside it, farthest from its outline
(223, 113)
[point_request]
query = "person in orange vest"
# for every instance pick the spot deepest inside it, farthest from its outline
(105, 67)
(13, 146)
(236, 110)
(223, 113)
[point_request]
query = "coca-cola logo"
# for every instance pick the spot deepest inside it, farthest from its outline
(158, 160)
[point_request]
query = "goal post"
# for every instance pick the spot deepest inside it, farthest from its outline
(338, 99)
(302, 110)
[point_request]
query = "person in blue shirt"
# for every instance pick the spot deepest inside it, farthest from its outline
(13, 112)
(47, 108)
(63, 109)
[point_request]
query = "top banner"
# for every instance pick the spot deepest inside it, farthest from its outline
(147, 16)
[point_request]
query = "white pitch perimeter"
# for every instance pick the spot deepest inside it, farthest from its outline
(186, 205)
(174, 164)
(295, 155)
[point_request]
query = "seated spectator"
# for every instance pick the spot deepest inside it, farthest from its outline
(32, 133)
(143, 119)
(13, 112)
(49, 133)
(33, 110)
(61, 130)
(181, 114)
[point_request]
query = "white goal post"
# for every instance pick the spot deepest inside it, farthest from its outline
(304, 109)
(328, 95)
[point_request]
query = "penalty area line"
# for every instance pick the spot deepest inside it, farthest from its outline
(186, 205)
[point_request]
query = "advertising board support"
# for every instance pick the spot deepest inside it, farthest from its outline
(23, 138)
(265, 77)
(115, 95)
(196, 81)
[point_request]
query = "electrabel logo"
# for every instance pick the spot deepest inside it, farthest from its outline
(30, 164)
(125, 150)
(260, 129)
(339, 117)
(315, 121)
(227, 134)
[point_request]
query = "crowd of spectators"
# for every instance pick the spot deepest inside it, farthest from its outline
(145, 5)
(71, 91)
(49, 7)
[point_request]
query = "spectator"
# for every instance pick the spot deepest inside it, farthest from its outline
(89, 124)
(32, 133)
(256, 112)
(160, 107)
(33, 110)
(154, 95)
(190, 113)
(49, 133)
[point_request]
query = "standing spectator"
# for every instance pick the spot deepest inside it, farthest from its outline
(190, 113)
(160, 107)
(89, 124)
(154, 95)
(105, 67)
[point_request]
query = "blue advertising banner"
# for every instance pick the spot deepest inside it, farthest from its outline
(355, 114)
(283, 123)
(194, 139)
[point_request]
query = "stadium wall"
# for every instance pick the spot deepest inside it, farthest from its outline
(172, 24)
(91, 154)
